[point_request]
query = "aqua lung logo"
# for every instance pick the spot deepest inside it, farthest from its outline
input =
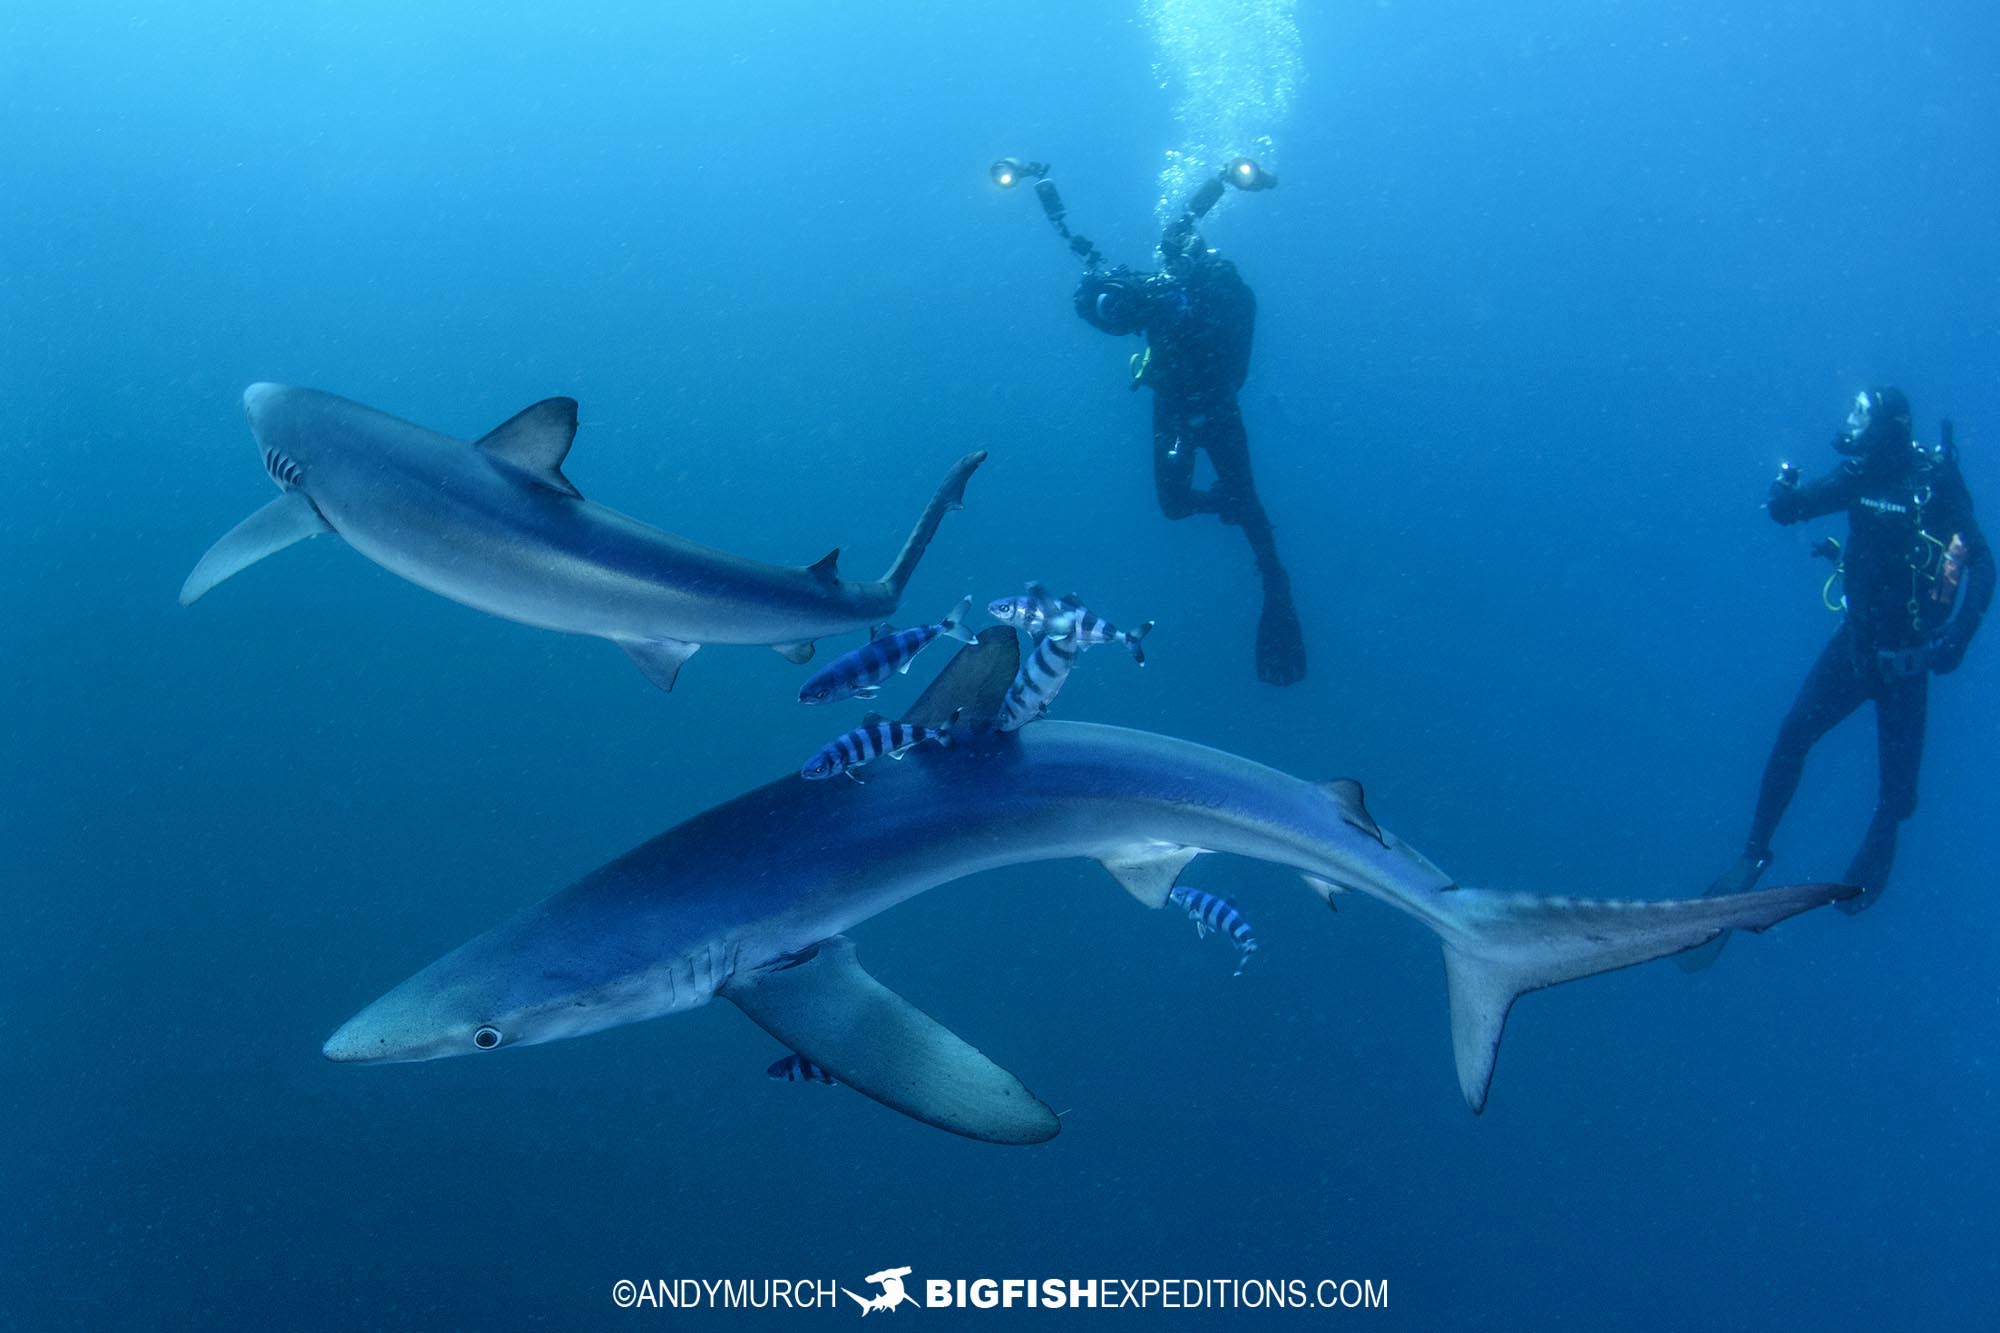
(890, 1280)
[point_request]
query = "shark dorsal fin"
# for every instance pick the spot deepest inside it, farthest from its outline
(1346, 793)
(826, 568)
(972, 685)
(536, 440)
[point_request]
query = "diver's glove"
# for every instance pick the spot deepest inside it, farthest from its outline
(1949, 648)
(1783, 500)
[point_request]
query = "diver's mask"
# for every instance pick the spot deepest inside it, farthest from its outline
(1879, 420)
(1853, 437)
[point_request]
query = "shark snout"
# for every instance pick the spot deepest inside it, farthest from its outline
(258, 400)
(356, 1041)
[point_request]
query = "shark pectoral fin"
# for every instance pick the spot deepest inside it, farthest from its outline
(1148, 869)
(1346, 793)
(536, 440)
(972, 685)
(834, 1014)
(660, 659)
(1499, 946)
(794, 653)
(287, 519)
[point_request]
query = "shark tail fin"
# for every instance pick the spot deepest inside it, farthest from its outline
(950, 495)
(1499, 946)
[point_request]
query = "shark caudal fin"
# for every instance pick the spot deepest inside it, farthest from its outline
(1499, 946)
(950, 495)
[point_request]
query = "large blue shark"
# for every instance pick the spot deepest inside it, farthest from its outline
(495, 524)
(749, 901)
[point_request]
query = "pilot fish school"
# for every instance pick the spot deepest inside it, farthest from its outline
(972, 776)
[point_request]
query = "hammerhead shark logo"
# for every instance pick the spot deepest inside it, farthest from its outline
(890, 1280)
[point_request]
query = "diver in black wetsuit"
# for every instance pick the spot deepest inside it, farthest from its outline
(1196, 314)
(1913, 550)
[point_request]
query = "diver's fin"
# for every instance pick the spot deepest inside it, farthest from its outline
(834, 1014)
(1346, 793)
(1499, 946)
(1739, 878)
(950, 495)
(287, 519)
(954, 624)
(660, 659)
(801, 651)
(1148, 869)
(827, 568)
(536, 440)
(972, 685)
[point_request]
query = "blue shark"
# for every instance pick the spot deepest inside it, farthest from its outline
(751, 900)
(494, 524)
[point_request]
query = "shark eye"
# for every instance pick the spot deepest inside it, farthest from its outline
(486, 1038)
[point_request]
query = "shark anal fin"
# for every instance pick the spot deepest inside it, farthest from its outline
(795, 653)
(833, 1013)
(972, 685)
(536, 440)
(660, 659)
(287, 519)
(1148, 870)
(1346, 793)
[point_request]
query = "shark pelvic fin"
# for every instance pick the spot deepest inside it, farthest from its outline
(972, 685)
(795, 653)
(1148, 869)
(834, 1014)
(1346, 793)
(660, 659)
(536, 440)
(287, 519)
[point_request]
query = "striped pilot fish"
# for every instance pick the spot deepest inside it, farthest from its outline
(1211, 911)
(871, 740)
(798, 1069)
(1031, 612)
(859, 674)
(1042, 675)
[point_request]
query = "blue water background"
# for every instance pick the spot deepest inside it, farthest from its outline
(1546, 294)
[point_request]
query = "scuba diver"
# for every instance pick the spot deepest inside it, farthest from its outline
(1913, 552)
(1196, 315)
